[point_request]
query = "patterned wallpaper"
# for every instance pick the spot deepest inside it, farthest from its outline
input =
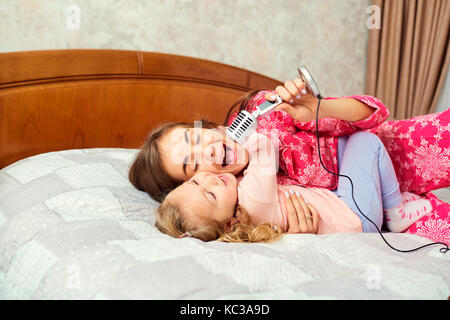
(267, 36)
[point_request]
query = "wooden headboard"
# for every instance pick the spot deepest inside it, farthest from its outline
(70, 99)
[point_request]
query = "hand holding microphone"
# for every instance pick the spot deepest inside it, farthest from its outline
(245, 123)
(299, 103)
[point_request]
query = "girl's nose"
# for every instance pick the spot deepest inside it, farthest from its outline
(211, 180)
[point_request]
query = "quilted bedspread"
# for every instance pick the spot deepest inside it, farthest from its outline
(73, 227)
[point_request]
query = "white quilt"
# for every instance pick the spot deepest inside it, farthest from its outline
(73, 227)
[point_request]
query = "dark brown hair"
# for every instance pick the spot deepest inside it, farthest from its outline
(242, 103)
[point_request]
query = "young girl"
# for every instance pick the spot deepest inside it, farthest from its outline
(205, 206)
(173, 153)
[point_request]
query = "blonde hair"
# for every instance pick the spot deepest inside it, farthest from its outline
(169, 220)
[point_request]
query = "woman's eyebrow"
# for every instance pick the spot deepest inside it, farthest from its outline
(184, 165)
(185, 161)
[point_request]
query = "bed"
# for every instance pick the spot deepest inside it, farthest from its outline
(73, 227)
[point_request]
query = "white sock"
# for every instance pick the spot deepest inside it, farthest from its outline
(412, 209)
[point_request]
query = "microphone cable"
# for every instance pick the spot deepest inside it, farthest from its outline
(442, 250)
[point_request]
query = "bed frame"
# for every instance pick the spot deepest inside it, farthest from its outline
(71, 99)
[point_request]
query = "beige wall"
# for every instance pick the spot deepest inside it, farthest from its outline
(444, 100)
(269, 37)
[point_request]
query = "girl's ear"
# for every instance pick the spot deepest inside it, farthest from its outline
(229, 224)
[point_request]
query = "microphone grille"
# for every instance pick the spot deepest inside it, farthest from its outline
(243, 126)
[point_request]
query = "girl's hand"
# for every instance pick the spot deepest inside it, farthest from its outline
(302, 217)
(300, 104)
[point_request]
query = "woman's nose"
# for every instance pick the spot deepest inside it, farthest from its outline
(205, 154)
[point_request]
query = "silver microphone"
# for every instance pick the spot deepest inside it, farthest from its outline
(245, 123)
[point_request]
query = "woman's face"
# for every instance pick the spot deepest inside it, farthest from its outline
(186, 151)
(207, 196)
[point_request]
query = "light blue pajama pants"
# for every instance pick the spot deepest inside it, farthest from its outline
(363, 157)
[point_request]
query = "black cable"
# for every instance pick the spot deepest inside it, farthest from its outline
(443, 250)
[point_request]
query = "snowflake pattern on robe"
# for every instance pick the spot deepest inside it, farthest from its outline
(420, 150)
(297, 142)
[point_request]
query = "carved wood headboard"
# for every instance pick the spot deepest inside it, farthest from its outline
(70, 99)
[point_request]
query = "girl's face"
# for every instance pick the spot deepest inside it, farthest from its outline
(186, 151)
(207, 196)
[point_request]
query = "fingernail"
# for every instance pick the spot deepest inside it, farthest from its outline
(304, 91)
(291, 101)
(273, 97)
(287, 194)
(297, 193)
(306, 201)
(292, 191)
(299, 96)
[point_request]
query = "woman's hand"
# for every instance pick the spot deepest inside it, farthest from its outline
(300, 104)
(302, 217)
